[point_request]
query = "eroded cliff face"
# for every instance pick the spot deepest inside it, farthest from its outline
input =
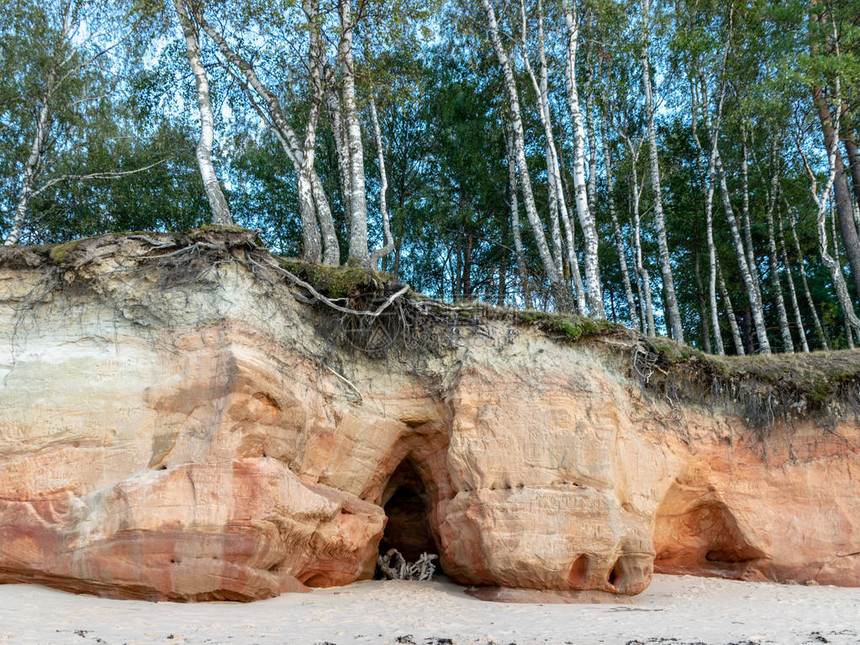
(183, 430)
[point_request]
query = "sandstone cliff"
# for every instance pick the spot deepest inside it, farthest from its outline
(181, 421)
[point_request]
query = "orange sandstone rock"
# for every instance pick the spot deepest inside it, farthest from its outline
(167, 438)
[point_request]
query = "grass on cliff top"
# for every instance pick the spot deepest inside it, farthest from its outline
(566, 327)
(816, 374)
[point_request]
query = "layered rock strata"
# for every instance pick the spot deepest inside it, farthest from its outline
(184, 430)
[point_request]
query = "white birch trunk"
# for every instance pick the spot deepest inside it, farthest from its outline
(522, 269)
(709, 224)
(784, 328)
(341, 148)
(619, 240)
(310, 195)
(323, 218)
(833, 266)
(819, 330)
(730, 314)
(215, 196)
(586, 217)
(31, 170)
(388, 245)
(671, 304)
(570, 238)
(560, 290)
(358, 251)
(558, 200)
(592, 139)
(747, 217)
(641, 271)
(712, 261)
(798, 319)
(746, 275)
(540, 87)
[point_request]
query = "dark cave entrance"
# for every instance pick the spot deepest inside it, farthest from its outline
(407, 505)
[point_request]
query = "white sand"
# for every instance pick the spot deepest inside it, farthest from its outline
(674, 609)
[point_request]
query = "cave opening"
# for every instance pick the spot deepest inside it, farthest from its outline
(407, 505)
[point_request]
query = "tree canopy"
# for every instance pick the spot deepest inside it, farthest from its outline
(686, 167)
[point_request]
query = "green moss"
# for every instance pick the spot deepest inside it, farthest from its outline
(568, 327)
(675, 352)
(60, 253)
(338, 281)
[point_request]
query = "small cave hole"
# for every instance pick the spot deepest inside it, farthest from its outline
(613, 576)
(407, 506)
(578, 572)
(616, 576)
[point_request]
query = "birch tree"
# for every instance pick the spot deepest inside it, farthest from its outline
(557, 199)
(358, 251)
(586, 217)
(743, 263)
(795, 307)
(561, 291)
(671, 304)
(62, 66)
(821, 201)
(314, 207)
(214, 194)
(388, 244)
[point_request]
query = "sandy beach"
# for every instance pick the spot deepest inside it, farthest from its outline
(674, 609)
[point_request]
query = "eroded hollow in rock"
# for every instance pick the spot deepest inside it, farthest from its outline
(704, 536)
(407, 505)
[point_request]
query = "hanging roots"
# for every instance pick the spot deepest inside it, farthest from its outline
(645, 363)
(394, 566)
(373, 313)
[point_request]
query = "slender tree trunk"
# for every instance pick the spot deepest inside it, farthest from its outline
(641, 271)
(522, 269)
(570, 238)
(358, 251)
(388, 247)
(589, 129)
(308, 176)
(341, 148)
(560, 290)
(798, 319)
(844, 202)
(558, 202)
(619, 240)
(832, 264)
(709, 232)
(541, 92)
(659, 217)
(730, 314)
(712, 258)
(854, 159)
(703, 316)
(311, 241)
(746, 216)
(784, 328)
(31, 169)
(217, 202)
(822, 337)
(753, 293)
(331, 247)
(586, 217)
